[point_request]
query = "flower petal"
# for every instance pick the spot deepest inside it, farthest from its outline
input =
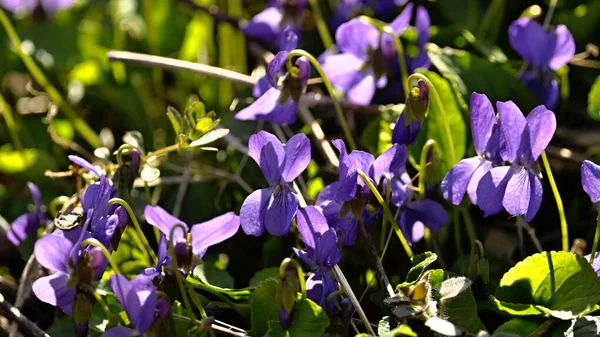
(161, 219)
(362, 92)
(483, 120)
(327, 252)
(483, 168)
(263, 105)
(288, 40)
(36, 195)
(265, 25)
(405, 134)
(122, 287)
(22, 227)
(85, 164)
(431, 213)
(53, 289)
(346, 224)
(52, 252)
(392, 162)
(274, 67)
(311, 224)
(541, 123)
(513, 124)
(401, 22)
(297, 157)
(457, 179)
(252, 213)
(280, 211)
(328, 193)
(343, 70)
(563, 47)
(523, 194)
(531, 41)
(590, 180)
(145, 316)
(491, 188)
(544, 86)
(536, 193)
(213, 231)
(268, 152)
(120, 331)
(357, 38)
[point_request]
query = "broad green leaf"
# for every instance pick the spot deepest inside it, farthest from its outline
(460, 310)
(558, 284)
(212, 275)
(235, 294)
(28, 164)
(468, 73)
(522, 326)
(210, 137)
(308, 319)
(594, 100)
(383, 329)
(420, 261)
(377, 136)
(129, 256)
(264, 274)
(263, 307)
(451, 138)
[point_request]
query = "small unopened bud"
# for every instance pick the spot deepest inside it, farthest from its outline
(347, 309)
(82, 309)
(287, 292)
(417, 103)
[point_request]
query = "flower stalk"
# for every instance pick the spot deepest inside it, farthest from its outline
(105, 252)
(564, 229)
(301, 282)
(596, 238)
(149, 252)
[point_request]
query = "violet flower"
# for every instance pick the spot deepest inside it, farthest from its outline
(274, 207)
(517, 188)
(321, 254)
(405, 134)
(545, 51)
(279, 101)
(465, 176)
(590, 180)
(279, 15)
(203, 235)
(28, 223)
(26, 7)
(596, 263)
(139, 300)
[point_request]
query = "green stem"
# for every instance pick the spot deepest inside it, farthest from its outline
(162, 151)
(444, 116)
(321, 24)
(401, 59)
(198, 305)
(100, 300)
(564, 229)
(423, 164)
(387, 213)
(210, 289)
(13, 129)
(457, 237)
(388, 195)
(469, 224)
(98, 244)
(123, 149)
(596, 238)
(136, 224)
(55, 203)
(79, 124)
(299, 271)
(329, 86)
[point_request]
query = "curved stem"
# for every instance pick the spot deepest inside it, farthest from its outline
(329, 86)
(100, 300)
(388, 195)
(423, 164)
(401, 59)
(136, 224)
(299, 271)
(321, 24)
(123, 149)
(440, 105)
(98, 244)
(56, 203)
(596, 238)
(82, 128)
(387, 213)
(177, 273)
(564, 229)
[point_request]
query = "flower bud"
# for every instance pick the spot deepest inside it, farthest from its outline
(287, 292)
(405, 134)
(82, 309)
(123, 179)
(417, 103)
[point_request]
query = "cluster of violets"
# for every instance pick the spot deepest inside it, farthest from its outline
(502, 176)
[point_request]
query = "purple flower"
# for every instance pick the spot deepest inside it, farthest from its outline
(274, 207)
(590, 180)
(517, 188)
(320, 241)
(203, 235)
(60, 252)
(279, 15)
(138, 299)
(417, 214)
(545, 51)
(405, 134)
(287, 42)
(596, 263)
(319, 286)
(28, 6)
(465, 176)
(278, 102)
(28, 223)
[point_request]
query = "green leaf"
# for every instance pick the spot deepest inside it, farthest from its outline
(383, 329)
(128, 256)
(212, 275)
(308, 319)
(210, 137)
(449, 138)
(468, 73)
(460, 310)
(264, 274)
(558, 284)
(28, 164)
(263, 307)
(522, 326)
(235, 294)
(377, 136)
(587, 326)
(594, 100)
(420, 261)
